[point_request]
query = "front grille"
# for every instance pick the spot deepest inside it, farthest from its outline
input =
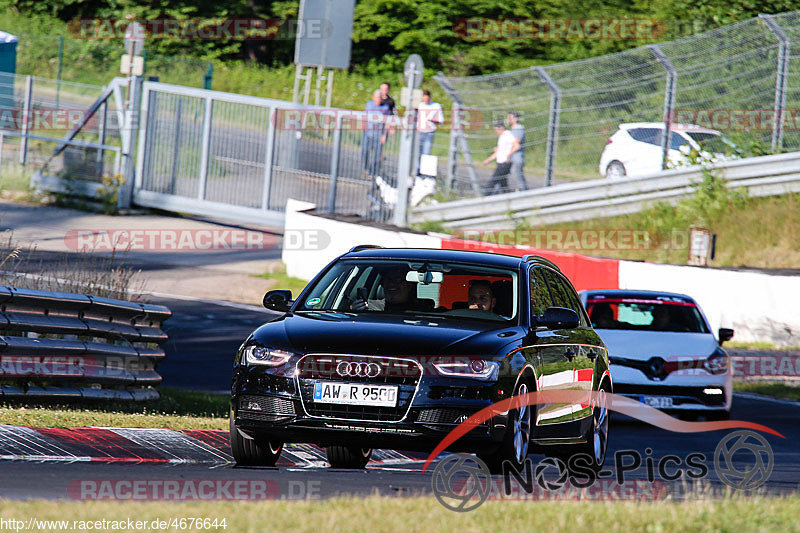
(443, 416)
(394, 371)
(357, 412)
(266, 405)
(680, 395)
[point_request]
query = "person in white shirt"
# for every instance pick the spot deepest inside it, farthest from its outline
(507, 144)
(429, 116)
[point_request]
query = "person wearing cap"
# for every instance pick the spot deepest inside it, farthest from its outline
(507, 144)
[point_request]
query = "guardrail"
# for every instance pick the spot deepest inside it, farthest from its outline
(762, 176)
(56, 344)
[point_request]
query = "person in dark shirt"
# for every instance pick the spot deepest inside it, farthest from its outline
(387, 100)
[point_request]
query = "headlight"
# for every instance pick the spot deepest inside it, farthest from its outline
(467, 368)
(258, 355)
(717, 362)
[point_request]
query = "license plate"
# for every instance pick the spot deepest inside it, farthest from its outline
(659, 402)
(355, 394)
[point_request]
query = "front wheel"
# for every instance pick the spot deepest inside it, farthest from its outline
(252, 452)
(514, 448)
(615, 170)
(348, 456)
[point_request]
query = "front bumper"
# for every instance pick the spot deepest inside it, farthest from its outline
(687, 391)
(279, 408)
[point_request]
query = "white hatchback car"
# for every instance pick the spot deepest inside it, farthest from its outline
(662, 351)
(635, 148)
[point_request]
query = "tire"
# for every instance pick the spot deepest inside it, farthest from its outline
(252, 452)
(595, 446)
(516, 441)
(615, 169)
(348, 456)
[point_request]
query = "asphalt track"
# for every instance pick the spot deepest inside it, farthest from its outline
(203, 338)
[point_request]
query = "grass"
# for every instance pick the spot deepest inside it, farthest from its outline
(176, 409)
(759, 346)
(422, 514)
(282, 281)
(776, 390)
(752, 232)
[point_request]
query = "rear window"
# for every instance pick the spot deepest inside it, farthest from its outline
(642, 314)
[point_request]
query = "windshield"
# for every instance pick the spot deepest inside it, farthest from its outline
(452, 290)
(711, 142)
(645, 315)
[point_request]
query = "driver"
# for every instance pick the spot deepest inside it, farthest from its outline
(481, 296)
(399, 294)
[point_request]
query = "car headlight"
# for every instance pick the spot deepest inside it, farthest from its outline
(467, 368)
(259, 355)
(717, 362)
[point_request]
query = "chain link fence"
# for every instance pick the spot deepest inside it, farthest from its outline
(734, 79)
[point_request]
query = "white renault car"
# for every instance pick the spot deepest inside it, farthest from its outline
(662, 351)
(635, 148)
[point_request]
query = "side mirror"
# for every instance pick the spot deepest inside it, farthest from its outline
(559, 318)
(278, 300)
(725, 334)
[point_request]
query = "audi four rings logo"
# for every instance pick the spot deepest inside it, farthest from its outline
(368, 370)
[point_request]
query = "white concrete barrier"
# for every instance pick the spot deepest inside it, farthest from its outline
(315, 240)
(760, 307)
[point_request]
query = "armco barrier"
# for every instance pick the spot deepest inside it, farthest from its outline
(762, 176)
(56, 344)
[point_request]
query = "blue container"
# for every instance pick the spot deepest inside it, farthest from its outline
(8, 68)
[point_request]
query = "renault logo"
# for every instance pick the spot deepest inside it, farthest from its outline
(355, 369)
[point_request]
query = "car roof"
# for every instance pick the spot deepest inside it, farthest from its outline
(628, 293)
(435, 254)
(673, 127)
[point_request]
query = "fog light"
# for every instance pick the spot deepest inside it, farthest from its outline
(712, 392)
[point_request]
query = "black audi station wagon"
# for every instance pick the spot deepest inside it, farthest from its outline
(394, 348)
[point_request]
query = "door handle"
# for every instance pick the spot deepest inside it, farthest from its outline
(592, 355)
(569, 353)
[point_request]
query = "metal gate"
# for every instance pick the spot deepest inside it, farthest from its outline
(241, 157)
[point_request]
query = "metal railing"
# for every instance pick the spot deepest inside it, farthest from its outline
(241, 157)
(570, 110)
(78, 346)
(762, 176)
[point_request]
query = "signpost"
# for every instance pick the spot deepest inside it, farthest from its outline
(132, 65)
(412, 73)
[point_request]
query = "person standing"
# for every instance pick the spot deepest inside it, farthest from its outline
(374, 135)
(518, 157)
(507, 144)
(387, 100)
(429, 116)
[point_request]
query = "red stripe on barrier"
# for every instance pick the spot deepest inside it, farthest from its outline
(102, 445)
(583, 271)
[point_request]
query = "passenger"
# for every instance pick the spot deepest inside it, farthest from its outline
(602, 316)
(481, 296)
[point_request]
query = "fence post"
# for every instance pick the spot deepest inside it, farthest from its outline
(60, 65)
(125, 194)
(452, 149)
(780, 82)
(669, 99)
(552, 124)
(205, 148)
(337, 144)
(270, 155)
(26, 111)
